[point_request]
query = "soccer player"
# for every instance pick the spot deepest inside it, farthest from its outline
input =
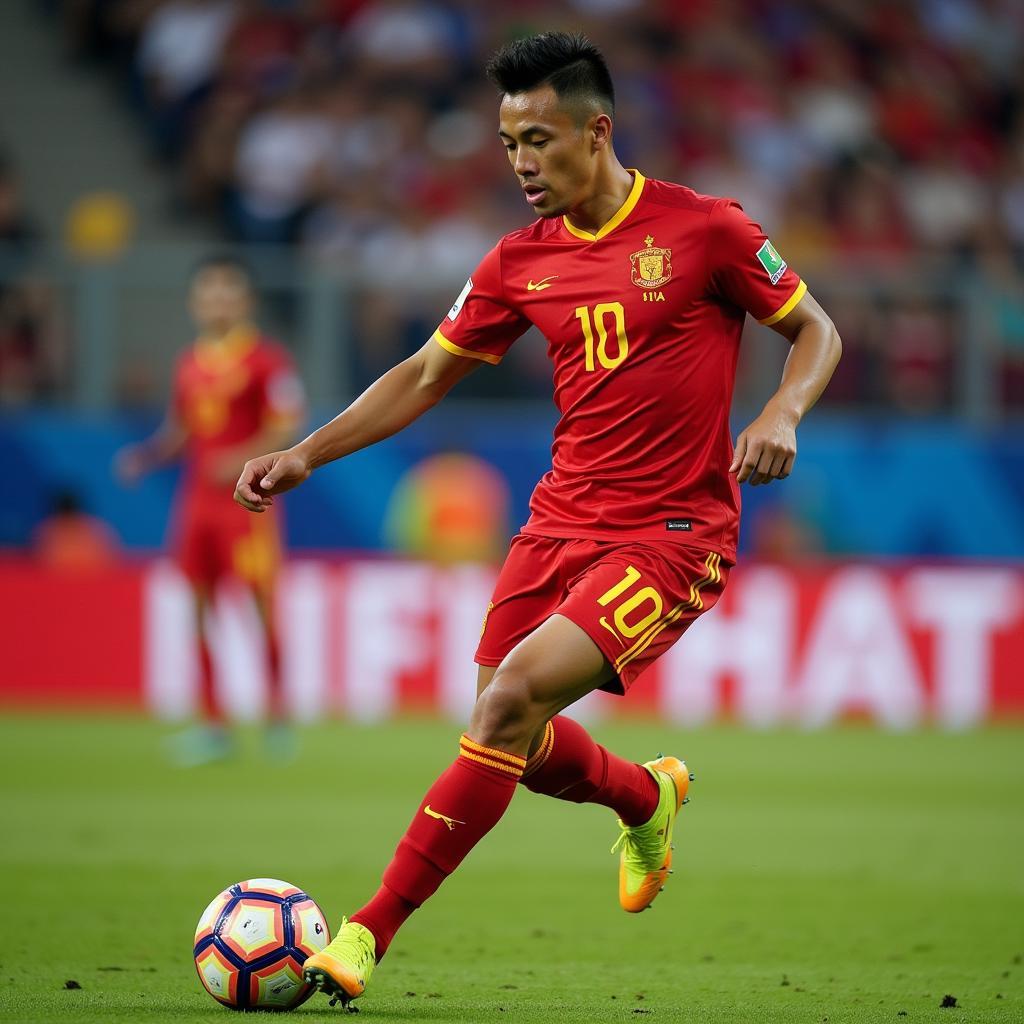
(641, 288)
(235, 393)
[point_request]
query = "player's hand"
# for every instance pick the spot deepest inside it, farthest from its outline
(130, 464)
(766, 450)
(268, 475)
(224, 469)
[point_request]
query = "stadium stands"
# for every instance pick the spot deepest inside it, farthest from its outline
(874, 143)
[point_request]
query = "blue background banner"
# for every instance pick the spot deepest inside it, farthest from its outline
(890, 488)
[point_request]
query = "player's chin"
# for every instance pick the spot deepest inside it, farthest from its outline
(549, 206)
(549, 209)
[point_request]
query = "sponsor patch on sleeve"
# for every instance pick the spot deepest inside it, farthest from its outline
(773, 263)
(454, 311)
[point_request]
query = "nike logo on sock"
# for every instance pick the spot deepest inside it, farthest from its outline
(450, 822)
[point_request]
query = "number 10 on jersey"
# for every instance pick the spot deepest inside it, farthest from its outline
(597, 319)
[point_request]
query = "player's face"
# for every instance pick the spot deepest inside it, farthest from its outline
(552, 154)
(220, 298)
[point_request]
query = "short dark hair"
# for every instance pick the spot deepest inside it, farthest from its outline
(224, 261)
(569, 62)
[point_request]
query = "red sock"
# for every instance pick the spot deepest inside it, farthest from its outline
(464, 804)
(276, 711)
(569, 765)
(209, 703)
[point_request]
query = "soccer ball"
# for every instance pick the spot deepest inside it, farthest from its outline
(252, 941)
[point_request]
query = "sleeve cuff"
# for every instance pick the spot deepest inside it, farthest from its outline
(456, 350)
(784, 310)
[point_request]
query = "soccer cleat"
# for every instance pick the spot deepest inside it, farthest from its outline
(645, 859)
(342, 969)
(280, 743)
(200, 745)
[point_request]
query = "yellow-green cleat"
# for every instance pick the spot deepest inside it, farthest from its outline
(645, 857)
(343, 968)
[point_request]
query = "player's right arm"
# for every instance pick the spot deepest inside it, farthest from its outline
(165, 445)
(479, 328)
(387, 406)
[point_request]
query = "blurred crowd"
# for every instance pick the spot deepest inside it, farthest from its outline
(32, 343)
(881, 145)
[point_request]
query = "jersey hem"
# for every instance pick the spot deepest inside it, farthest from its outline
(692, 540)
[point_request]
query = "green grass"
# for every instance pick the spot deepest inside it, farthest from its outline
(842, 876)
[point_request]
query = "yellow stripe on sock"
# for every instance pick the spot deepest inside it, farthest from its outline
(498, 755)
(543, 751)
(498, 765)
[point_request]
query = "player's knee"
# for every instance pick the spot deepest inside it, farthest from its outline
(505, 715)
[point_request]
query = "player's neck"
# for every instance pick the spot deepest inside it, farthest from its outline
(225, 335)
(216, 350)
(611, 190)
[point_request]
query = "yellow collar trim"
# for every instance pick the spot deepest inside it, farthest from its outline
(217, 355)
(617, 218)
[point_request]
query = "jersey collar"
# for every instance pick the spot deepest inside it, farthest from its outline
(617, 218)
(215, 356)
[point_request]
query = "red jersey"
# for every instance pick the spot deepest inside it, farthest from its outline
(226, 393)
(643, 322)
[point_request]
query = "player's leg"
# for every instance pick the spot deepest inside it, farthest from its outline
(208, 739)
(566, 762)
(210, 705)
(635, 602)
(249, 551)
(196, 557)
(553, 667)
(280, 740)
(195, 552)
(263, 599)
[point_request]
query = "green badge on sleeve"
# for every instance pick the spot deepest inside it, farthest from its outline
(773, 263)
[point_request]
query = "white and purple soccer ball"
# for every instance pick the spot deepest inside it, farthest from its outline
(252, 941)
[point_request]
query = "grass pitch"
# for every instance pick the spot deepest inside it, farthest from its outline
(843, 876)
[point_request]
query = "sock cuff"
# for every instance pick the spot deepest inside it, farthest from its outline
(491, 757)
(543, 752)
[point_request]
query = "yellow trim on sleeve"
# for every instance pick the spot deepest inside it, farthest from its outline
(617, 218)
(784, 310)
(450, 346)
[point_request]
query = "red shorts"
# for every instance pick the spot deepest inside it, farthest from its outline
(216, 538)
(633, 599)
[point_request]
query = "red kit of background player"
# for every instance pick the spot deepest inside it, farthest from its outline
(224, 396)
(235, 392)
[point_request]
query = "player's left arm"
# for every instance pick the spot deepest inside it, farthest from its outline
(766, 450)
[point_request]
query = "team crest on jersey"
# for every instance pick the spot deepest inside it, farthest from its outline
(651, 267)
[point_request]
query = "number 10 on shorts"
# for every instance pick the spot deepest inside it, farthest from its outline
(645, 605)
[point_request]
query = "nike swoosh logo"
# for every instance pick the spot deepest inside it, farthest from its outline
(450, 822)
(541, 284)
(604, 622)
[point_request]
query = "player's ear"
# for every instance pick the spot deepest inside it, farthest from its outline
(600, 129)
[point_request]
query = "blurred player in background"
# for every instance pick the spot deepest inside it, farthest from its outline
(641, 289)
(235, 393)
